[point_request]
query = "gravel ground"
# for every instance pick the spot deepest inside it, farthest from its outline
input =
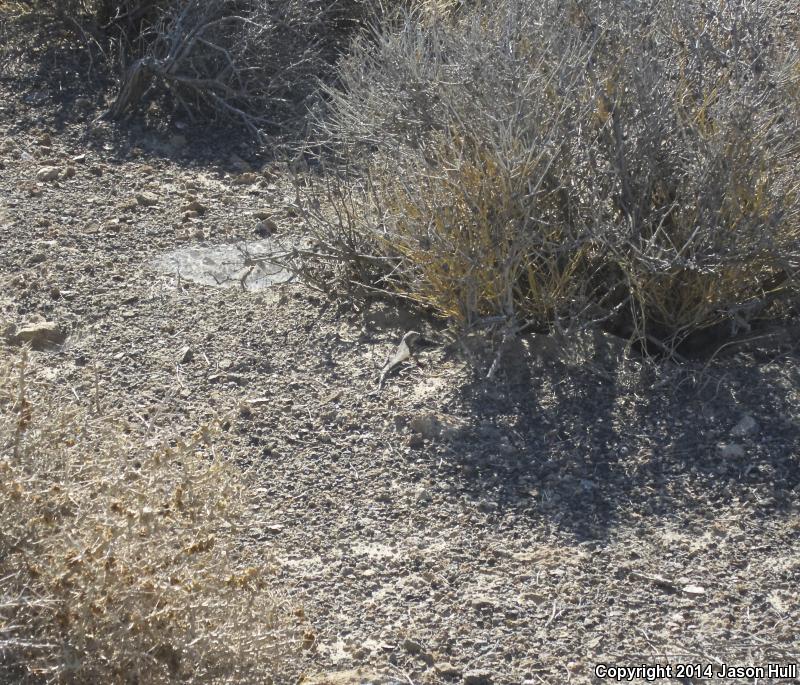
(583, 507)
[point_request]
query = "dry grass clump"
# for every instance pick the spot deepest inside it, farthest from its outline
(120, 563)
(620, 162)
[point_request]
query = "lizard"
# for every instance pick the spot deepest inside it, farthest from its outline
(403, 353)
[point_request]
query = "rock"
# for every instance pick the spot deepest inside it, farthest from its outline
(747, 425)
(415, 440)
(694, 590)
(45, 140)
(194, 206)
(245, 179)
(731, 450)
(48, 173)
(185, 355)
(432, 426)
(263, 214)
(79, 159)
(482, 602)
(96, 170)
(354, 677)
(445, 669)
(146, 199)
(69, 172)
(40, 335)
(191, 214)
(83, 103)
(412, 646)
(477, 678)
(265, 228)
(36, 258)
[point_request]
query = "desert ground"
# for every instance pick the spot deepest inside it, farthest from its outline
(583, 506)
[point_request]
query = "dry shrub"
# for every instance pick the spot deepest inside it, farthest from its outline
(625, 162)
(698, 152)
(254, 63)
(120, 563)
(470, 144)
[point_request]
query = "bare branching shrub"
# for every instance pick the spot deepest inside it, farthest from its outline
(633, 163)
(257, 62)
(698, 153)
(469, 143)
(123, 563)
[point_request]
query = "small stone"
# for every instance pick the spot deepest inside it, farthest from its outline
(45, 140)
(694, 590)
(263, 214)
(69, 172)
(415, 440)
(265, 228)
(747, 425)
(48, 173)
(79, 159)
(433, 426)
(194, 206)
(477, 678)
(190, 215)
(482, 603)
(731, 450)
(185, 355)
(412, 646)
(245, 179)
(96, 170)
(445, 669)
(36, 258)
(39, 335)
(146, 199)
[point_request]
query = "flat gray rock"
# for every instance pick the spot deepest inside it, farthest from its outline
(238, 265)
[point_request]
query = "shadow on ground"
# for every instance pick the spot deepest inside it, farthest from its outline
(591, 444)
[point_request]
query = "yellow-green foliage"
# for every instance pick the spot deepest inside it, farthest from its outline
(123, 563)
